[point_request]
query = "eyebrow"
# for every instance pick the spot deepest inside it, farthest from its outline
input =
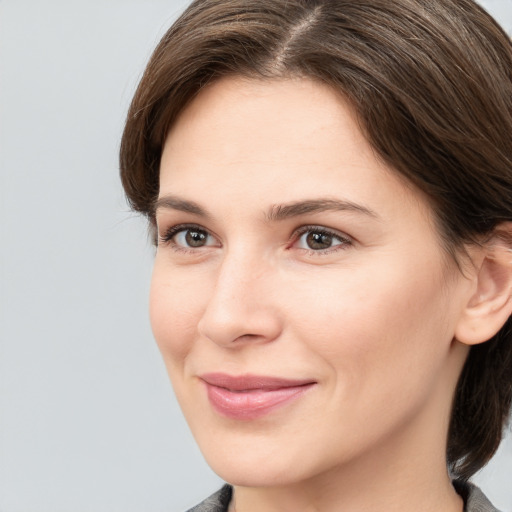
(297, 208)
(182, 205)
(277, 212)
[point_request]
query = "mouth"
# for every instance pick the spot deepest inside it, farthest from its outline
(248, 397)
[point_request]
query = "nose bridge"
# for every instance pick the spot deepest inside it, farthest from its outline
(240, 305)
(242, 268)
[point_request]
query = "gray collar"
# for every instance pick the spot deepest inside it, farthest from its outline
(474, 499)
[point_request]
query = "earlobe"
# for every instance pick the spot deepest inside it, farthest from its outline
(490, 303)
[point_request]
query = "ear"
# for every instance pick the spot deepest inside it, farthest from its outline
(490, 301)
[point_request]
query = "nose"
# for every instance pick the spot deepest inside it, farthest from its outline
(242, 305)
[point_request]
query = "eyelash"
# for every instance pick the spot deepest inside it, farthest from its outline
(344, 240)
(167, 238)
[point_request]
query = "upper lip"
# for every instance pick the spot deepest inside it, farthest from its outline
(248, 382)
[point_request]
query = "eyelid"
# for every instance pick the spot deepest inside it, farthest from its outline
(169, 233)
(345, 239)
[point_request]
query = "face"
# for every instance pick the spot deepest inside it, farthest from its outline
(300, 297)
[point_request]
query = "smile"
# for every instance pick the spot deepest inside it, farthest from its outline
(250, 396)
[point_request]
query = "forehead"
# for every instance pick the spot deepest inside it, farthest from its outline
(257, 125)
(291, 107)
(248, 134)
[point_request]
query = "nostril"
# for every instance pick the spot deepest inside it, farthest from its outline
(247, 337)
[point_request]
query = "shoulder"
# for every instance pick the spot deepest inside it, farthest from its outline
(474, 499)
(218, 502)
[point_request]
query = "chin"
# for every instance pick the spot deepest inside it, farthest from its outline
(255, 473)
(256, 462)
(253, 464)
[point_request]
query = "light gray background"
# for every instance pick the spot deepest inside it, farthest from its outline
(88, 421)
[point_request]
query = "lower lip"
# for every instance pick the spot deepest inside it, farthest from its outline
(254, 403)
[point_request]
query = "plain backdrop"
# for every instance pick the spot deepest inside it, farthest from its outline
(88, 421)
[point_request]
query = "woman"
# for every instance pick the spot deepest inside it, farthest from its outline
(329, 185)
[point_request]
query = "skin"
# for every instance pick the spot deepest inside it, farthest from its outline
(371, 319)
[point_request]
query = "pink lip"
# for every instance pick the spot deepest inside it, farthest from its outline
(248, 397)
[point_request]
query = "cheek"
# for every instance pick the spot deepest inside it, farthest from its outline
(374, 327)
(175, 307)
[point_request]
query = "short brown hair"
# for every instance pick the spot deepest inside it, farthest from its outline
(431, 81)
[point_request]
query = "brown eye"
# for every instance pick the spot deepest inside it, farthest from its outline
(189, 237)
(321, 239)
(317, 241)
(195, 237)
